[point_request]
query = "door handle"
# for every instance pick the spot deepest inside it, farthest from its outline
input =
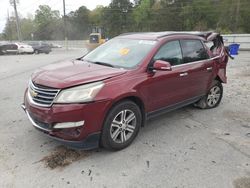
(209, 69)
(183, 74)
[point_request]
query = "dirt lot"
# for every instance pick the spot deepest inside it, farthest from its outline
(188, 148)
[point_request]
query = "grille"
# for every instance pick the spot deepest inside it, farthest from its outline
(94, 39)
(42, 95)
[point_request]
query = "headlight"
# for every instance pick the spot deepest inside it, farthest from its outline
(83, 93)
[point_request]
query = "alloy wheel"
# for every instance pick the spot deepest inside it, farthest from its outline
(213, 96)
(123, 126)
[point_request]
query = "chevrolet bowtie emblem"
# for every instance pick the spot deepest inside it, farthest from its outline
(33, 93)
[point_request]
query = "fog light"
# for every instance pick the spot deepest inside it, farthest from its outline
(68, 125)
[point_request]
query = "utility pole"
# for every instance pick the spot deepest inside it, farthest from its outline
(65, 27)
(237, 15)
(9, 27)
(17, 21)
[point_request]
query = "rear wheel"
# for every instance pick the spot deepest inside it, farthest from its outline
(121, 126)
(213, 97)
(36, 52)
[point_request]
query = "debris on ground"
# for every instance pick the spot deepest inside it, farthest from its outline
(242, 182)
(63, 156)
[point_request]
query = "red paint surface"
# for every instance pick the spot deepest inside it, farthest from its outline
(155, 89)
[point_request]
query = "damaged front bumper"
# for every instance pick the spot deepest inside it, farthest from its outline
(90, 142)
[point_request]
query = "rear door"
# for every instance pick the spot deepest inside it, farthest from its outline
(11, 48)
(197, 66)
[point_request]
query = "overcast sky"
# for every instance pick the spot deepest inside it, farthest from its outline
(29, 6)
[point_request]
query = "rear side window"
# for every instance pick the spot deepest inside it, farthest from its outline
(193, 50)
(170, 52)
(11, 47)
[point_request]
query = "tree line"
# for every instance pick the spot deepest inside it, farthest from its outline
(225, 16)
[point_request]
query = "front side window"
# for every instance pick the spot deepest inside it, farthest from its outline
(193, 50)
(170, 52)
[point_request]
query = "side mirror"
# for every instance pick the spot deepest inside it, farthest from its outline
(162, 65)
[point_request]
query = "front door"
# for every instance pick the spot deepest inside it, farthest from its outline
(165, 88)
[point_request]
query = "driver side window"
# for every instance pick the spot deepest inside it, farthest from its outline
(170, 52)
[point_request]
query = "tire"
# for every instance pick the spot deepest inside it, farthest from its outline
(213, 97)
(115, 127)
(36, 52)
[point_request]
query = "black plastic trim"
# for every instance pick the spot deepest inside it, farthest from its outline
(169, 108)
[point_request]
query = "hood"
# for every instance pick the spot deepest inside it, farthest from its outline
(71, 73)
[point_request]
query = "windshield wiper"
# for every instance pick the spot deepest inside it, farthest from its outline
(102, 63)
(98, 62)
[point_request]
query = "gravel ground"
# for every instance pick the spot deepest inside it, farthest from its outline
(188, 147)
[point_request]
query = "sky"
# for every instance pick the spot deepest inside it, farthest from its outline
(26, 7)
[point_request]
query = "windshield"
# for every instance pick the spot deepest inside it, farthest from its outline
(125, 53)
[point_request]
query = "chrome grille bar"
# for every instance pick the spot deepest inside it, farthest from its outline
(42, 95)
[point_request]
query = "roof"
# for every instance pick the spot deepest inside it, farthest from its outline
(158, 35)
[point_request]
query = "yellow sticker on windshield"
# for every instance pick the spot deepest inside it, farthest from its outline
(124, 51)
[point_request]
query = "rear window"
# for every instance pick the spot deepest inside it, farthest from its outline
(11, 46)
(193, 50)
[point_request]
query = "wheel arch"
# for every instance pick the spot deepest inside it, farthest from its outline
(218, 78)
(137, 100)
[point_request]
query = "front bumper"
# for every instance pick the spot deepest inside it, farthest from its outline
(90, 142)
(85, 136)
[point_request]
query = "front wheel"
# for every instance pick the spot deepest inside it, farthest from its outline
(121, 126)
(213, 97)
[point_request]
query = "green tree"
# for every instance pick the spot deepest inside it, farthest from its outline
(9, 32)
(243, 17)
(96, 16)
(200, 15)
(118, 17)
(80, 19)
(226, 16)
(143, 15)
(46, 20)
(27, 28)
(167, 15)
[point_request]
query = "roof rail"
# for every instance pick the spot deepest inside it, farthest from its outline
(197, 33)
(131, 33)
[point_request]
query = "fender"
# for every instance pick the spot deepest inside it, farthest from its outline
(222, 75)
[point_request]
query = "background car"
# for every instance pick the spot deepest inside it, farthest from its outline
(53, 45)
(8, 48)
(23, 48)
(40, 47)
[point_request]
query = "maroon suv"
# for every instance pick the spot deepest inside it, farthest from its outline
(105, 97)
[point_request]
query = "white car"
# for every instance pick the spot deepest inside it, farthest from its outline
(23, 48)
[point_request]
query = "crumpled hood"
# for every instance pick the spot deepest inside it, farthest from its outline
(71, 73)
